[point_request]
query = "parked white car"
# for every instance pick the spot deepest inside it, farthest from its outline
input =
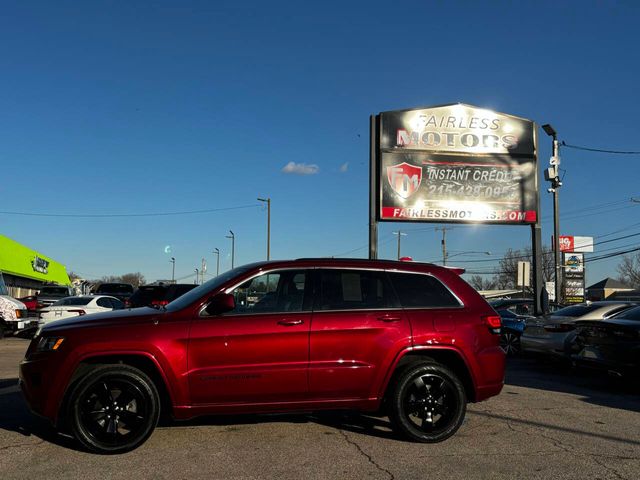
(76, 306)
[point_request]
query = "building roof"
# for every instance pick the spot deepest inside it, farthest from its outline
(609, 283)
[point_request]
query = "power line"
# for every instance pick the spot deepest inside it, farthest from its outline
(601, 150)
(119, 215)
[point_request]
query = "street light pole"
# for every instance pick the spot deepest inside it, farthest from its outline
(552, 174)
(233, 247)
(216, 252)
(400, 235)
(268, 201)
(173, 269)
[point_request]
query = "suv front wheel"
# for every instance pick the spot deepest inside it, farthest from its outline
(428, 403)
(113, 409)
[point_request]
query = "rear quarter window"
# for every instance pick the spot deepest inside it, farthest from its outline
(422, 291)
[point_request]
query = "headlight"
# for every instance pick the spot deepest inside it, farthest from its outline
(20, 313)
(47, 344)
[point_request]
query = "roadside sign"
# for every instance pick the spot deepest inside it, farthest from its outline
(524, 274)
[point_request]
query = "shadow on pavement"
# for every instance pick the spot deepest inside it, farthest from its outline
(598, 389)
(16, 417)
(340, 420)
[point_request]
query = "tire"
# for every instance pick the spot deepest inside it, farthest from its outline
(105, 422)
(510, 344)
(428, 403)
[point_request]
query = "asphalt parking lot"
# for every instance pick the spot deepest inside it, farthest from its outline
(547, 423)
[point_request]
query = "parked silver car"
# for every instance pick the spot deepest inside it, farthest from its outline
(548, 334)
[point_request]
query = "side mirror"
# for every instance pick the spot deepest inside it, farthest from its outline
(221, 303)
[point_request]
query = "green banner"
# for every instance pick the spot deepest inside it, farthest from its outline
(16, 259)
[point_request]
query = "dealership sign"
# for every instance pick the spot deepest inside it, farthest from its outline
(570, 243)
(456, 163)
(574, 275)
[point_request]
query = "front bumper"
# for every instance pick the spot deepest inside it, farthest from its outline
(38, 382)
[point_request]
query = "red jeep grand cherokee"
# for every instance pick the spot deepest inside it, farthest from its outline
(279, 336)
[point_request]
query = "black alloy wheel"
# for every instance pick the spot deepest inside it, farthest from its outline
(510, 343)
(428, 403)
(114, 409)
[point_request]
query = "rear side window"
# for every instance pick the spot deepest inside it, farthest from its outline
(422, 291)
(631, 314)
(353, 290)
(73, 301)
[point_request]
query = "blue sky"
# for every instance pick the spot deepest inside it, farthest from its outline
(133, 107)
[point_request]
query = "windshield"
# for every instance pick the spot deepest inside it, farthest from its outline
(73, 301)
(115, 287)
(3, 288)
(198, 292)
(54, 291)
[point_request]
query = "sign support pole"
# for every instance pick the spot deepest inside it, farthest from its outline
(373, 187)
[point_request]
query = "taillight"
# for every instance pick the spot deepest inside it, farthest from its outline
(493, 322)
(79, 312)
(159, 303)
(559, 327)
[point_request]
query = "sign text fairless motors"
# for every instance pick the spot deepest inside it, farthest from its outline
(457, 163)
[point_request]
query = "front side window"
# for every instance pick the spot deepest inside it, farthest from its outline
(353, 290)
(277, 292)
(422, 291)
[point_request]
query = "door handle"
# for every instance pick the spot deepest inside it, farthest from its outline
(388, 318)
(290, 323)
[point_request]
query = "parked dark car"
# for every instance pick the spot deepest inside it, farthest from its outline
(158, 295)
(512, 328)
(312, 334)
(122, 291)
(611, 345)
(50, 294)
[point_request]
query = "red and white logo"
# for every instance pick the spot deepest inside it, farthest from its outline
(404, 178)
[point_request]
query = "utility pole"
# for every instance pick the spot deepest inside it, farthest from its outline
(204, 269)
(173, 269)
(233, 247)
(444, 243)
(400, 235)
(552, 174)
(216, 252)
(268, 201)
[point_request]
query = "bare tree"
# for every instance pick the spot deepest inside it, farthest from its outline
(629, 270)
(480, 283)
(136, 279)
(508, 269)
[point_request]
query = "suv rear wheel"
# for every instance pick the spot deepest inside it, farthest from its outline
(428, 403)
(113, 409)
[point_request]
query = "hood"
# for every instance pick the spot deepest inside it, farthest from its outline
(7, 300)
(102, 319)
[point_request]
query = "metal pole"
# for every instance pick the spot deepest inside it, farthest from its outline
(195, 282)
(268, 202)
(373, 187)
(233, 247)
(556, 226)
(173, 269)
(217, 254)
(204, 267)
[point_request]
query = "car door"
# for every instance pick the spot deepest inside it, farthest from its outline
(356, 330)
(259, 352)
